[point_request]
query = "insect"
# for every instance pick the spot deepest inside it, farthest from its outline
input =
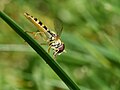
(53, 39)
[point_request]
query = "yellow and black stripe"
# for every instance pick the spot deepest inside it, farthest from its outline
(38, 24)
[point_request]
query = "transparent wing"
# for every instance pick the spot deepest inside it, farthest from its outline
(58, 27)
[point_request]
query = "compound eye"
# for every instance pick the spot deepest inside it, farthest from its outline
(61, 48)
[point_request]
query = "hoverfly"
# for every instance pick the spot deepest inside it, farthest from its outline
(53, 39)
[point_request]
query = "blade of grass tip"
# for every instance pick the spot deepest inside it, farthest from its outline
(52, 63)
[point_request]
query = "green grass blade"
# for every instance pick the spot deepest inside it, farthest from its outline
(52, 63)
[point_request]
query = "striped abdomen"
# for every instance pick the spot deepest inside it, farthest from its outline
(38, 24)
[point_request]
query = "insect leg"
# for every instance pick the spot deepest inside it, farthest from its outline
(49, 43)
(55, 53)
(36, 33)
(49, 48)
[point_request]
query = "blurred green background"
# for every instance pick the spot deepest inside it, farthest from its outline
(91, 33)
